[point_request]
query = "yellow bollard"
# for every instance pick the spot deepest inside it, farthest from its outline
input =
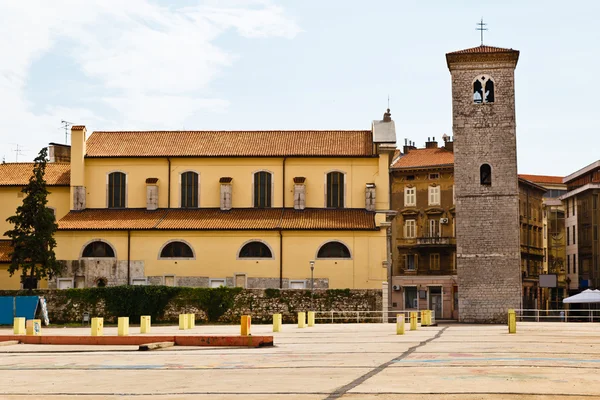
(512, 321)
(97, 326)
(246, 325)
(19, 326)
(33, 327)
(182, 322)
(276, 322)
(413, 321)
(145, 324)
(302, 319)
(123, 326)
(424, 318)
(400, 324)
(191, 322)
(311, 318)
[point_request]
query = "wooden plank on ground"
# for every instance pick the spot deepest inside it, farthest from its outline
(156, 346)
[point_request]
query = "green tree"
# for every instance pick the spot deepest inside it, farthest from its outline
(33, 234)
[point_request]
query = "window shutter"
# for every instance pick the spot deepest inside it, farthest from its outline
(416, 261)
(405, 261)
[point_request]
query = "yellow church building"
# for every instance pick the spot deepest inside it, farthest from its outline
(255, 209)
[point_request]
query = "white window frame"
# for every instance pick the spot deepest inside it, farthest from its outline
(406, 263)
(272, 187)
(97, 240)
(410, 229)
(176, 258)
(431, 258)
(434, 225)
(199, 185)
(410, 199)
(303, 282)
(126, 187)
(434, 195)
(211, 280)
(237, 255)
(410, 307)
(58, 280)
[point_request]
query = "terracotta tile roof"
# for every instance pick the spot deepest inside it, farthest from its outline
(5, 250)
(484, 49)
(421, 158)
(215, 219)
(230, 144)
(554, 180)
(18, 174)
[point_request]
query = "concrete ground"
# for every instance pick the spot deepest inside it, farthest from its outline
(350, 361)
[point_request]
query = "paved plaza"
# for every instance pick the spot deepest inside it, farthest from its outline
(349, 361)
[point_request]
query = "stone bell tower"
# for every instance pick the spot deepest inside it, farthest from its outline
(486, 183)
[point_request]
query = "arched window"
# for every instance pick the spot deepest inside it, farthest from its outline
(262, 189)
(485, 174)
(335, 190)
(489, 91)
(333, 250)
(98, 249)
(483, 90)
(116, 189)
(189, 190)
(176, 249)
(255, 250)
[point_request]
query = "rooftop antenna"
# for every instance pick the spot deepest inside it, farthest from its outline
(388, 101)
(18, 152)
(481, 27)
(65, 125)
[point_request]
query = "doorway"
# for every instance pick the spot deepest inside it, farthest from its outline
(435, 300)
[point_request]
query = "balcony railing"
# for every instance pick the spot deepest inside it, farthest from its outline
(436, 240)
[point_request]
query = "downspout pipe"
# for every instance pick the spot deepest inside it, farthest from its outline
(169, 184)
(280, 233)
(128, 257)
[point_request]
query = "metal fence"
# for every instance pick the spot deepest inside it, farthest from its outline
(365, 316)
(535, 315)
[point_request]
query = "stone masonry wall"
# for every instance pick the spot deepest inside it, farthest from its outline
(261, 304)
(487, 230)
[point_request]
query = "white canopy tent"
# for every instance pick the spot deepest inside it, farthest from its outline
(587, 296)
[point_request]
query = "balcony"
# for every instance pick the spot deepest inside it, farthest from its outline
(427, 241)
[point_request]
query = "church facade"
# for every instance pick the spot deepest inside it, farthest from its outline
(257, 209)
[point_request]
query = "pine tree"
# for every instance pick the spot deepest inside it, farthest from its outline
(33, 234)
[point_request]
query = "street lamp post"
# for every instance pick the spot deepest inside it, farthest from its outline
(312, 269)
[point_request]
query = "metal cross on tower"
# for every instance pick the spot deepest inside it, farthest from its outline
(481, 27)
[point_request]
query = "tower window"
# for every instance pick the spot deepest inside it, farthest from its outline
(485, 174)
(483, 90)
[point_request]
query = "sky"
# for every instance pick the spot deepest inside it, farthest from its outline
(292, 64)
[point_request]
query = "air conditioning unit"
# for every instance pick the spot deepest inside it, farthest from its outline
(396, 288)
(443, 220)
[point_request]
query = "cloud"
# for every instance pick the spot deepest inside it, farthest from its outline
(152, 64)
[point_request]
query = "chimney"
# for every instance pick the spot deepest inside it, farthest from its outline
(370, 197)
(151, 194)
(431, 144)
(299, 193)
(60, 153)
(78, 167)
(448, 143)
(226, 191)
(408, 146)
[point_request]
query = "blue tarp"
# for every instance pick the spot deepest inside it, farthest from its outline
(20, 306)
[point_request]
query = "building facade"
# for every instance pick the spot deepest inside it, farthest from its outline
(206, 209)
(582, 216)
(554, 240)
(424, 240)
(487, 197)
(425, 273)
